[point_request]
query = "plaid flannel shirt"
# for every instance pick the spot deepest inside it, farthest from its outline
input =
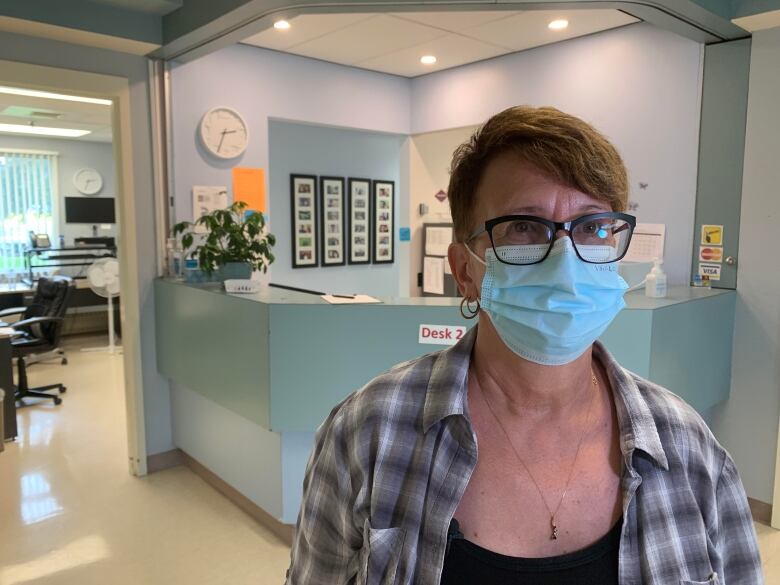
(391, 462)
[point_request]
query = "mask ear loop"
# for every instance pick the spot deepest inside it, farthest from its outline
(472, 312)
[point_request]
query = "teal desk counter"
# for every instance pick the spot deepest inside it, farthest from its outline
(253, 376)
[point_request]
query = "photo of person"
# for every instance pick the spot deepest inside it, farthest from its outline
(333, 189)
(304, 242)
(304, 228)
(334, 241)
(359, 190)
(384, 241)
(384, 191)
(360, 240)
(334, 202)
(384, 204)
(333, 216)
(334, 254)
(384, 252)
(360, 203)
(383, 229)
(304, 215)
(360, 216)
(359, 253)
(304, 201)
(304, 255)
(384, 216)
(334, 228)
(304, 187)
(360, 228)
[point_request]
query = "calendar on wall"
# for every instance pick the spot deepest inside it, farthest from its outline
(647, 243)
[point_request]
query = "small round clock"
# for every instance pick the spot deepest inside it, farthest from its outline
(88, 181)
(224, 132)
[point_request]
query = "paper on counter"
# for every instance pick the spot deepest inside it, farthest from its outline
(356, 300)
(437, 240)
(647, 243)
(433, 275)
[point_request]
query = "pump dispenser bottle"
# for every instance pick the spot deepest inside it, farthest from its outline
(655, 282)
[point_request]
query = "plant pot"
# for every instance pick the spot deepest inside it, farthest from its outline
(234, 270)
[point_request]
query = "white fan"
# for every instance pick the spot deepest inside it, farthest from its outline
(103, 277)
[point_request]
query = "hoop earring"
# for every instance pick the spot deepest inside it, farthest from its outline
(472, 312)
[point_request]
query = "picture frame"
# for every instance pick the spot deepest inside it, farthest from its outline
(333, 215)
(383, 222)
(359, 214)
(305, 224)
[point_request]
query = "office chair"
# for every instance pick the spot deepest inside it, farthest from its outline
(40, 329)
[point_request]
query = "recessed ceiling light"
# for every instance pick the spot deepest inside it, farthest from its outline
(53, 96)
(281, 25)
(558, 24)
(428, 60)
(43, 130)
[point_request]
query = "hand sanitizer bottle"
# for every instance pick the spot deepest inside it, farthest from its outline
(655, 282)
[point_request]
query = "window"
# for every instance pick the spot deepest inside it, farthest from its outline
(28, 182)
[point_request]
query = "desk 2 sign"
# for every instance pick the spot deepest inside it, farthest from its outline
(441, 334)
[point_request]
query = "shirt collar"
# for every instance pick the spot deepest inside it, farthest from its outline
(446, 396)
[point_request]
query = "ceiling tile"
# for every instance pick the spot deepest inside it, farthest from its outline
(450, 51)
(379, 35)
(455, 21)
(529, 29)
(302, 29)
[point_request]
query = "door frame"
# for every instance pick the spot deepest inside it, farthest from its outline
(117, 89)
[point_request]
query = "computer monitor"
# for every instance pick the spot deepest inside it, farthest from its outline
(89, 210)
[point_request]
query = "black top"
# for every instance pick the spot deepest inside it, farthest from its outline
(467, 564)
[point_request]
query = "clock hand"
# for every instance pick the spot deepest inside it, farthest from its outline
(219, 146)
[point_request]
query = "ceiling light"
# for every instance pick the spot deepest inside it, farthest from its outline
(281, 25)
(428, 60)
(43, 131)
(558, 24)
(53, 96)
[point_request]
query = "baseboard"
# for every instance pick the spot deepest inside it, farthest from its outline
(283, 532)
(761, 511)
(165, 460)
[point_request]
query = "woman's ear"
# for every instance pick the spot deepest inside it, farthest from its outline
(466, 272)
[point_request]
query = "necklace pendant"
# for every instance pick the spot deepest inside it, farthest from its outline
(554, 535)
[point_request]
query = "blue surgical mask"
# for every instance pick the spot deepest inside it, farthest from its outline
(551, 312)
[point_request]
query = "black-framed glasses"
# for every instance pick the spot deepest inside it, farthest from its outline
(598, 238)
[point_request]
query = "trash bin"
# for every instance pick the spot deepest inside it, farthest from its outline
(2, 418)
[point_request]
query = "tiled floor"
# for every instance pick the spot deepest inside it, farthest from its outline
(71, 514)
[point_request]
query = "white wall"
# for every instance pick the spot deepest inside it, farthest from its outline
(747, 422)
(73, 155)
(57, 54)
(638, 84)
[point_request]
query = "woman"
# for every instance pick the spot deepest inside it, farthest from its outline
(585, 473)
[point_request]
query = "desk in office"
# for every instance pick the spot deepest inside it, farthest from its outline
(253, 376)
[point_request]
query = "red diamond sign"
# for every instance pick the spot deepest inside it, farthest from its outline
(441, 195)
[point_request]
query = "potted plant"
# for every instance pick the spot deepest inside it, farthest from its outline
(235, 242)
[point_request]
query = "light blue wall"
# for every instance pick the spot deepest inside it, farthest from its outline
(325, 151)
(73, 155)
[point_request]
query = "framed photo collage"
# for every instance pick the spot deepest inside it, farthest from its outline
(337, 221)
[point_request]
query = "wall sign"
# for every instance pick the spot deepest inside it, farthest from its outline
(710, 270)
(710, 254)
(441, 334)
(712, 235)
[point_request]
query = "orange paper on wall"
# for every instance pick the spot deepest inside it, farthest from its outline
(249, 187)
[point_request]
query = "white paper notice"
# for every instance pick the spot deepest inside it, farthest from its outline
(437, 240)
(350, 300)
(647, 243)
(433, 275)
(206, 199)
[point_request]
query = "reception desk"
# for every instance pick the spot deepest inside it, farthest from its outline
(252, 376)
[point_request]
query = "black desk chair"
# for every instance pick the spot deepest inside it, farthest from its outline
(40, 328)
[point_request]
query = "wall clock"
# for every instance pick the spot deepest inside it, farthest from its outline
(224, 132)
(88, 181)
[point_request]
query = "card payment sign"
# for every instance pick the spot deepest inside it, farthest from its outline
(441, 334)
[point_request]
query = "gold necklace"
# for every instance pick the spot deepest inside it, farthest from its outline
(553, 525)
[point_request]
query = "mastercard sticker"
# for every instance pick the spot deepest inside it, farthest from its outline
(710, 254)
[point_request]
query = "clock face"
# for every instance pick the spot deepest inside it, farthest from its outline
(224, 132)
(88, 181)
